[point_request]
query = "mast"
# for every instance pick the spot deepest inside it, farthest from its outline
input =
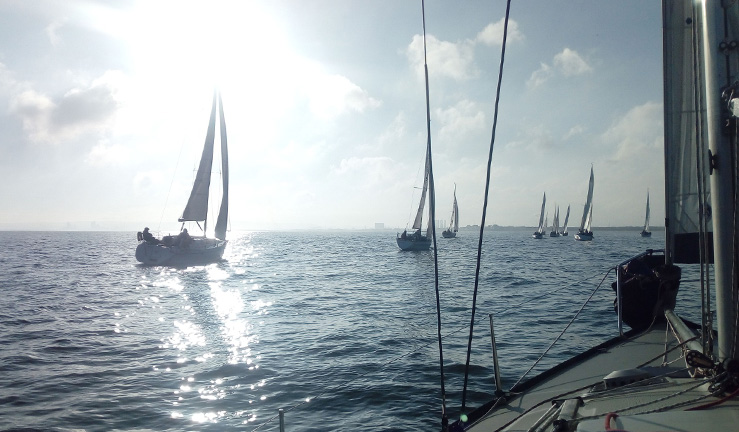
(721, 27)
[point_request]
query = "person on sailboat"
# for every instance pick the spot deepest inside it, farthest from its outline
(149, 237)
(183, 239)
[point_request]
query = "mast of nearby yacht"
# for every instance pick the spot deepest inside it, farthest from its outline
(719, 59)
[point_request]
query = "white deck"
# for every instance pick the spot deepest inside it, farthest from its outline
(579, 378)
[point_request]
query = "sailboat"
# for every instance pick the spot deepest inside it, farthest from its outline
(567, 218)
(664, 374)
(645, 232)
(185, 249)
(539, 233)
(415, 240)
(451, 232)
(555, 223)
(585, 233)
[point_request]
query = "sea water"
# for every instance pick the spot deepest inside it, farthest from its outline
(337, 329)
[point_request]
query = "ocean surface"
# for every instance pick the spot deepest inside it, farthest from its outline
(338, 329)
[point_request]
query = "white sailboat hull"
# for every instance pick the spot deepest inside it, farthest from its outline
(584, 236)
(200, 251)
(448, 234)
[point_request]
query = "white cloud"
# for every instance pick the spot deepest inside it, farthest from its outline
(104, 154)
(492, 34)
(567, 63)
(453, 60)
(52, 32)
(574, 131)
(540, 76)
(462, 118)
(77, 112)
(637, 133)
(333, 95)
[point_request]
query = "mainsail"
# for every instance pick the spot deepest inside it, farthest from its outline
(455, 212)
(541, 215)
(419, 214)
(687, 190)
(567, 218)
(588, 210)
(646, 218)
(196, 209)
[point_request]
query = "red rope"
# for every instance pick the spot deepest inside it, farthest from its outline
(609, 416)
(714, 403)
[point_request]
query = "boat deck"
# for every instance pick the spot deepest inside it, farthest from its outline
(640, 405)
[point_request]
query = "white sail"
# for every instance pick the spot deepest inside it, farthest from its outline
(567, 218)
(646, 218)
(197, 206)
(541, 215)
(455, 212)
(589, 218)
(419, 214)
(587, 211)
(685, 132)
(222, 222)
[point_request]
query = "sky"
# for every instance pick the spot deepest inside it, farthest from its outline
(104, 107)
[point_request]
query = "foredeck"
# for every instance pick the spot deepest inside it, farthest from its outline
(576, 378)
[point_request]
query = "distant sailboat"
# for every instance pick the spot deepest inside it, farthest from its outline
(567, 218)
(416, 241)
(555, 224)
(585, 233)
(183, 249)
(451, 232)
(645, 232)
(539, 233)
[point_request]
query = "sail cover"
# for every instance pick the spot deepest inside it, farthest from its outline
(197, 206)
(685, 133)
(222, 222)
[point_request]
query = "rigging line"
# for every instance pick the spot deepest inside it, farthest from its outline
(177, 164)
(432, 221)
(485, 204)
(424, 346)
(414, 351)
(564, 330)
(662, 399)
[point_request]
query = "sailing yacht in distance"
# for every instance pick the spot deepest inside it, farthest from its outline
(539, 233)
(555, 223)
(585, 233)
(184, 249)
(451, 232)
(645, 232)
(567, 218)
(416, 241)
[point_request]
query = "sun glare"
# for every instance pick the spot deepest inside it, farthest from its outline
(215, 42)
